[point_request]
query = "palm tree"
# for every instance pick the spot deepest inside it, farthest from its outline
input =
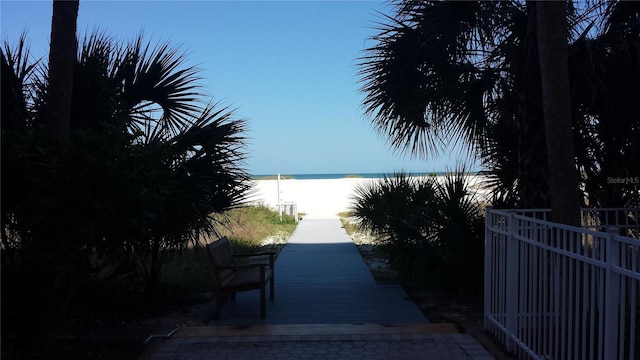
(149, 94)
(398, 209)
(147, 162)
(145, 94)
(447, 72)
(606, 97)
(203, 177)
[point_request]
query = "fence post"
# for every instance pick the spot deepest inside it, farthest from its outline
(512, 281)
(488, 261)
(279, 204)
(612, 291)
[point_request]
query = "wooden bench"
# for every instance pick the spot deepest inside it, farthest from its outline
(231, 277)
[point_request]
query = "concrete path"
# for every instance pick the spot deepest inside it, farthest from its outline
(327, 306)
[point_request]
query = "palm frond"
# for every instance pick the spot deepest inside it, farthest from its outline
(153, 78)
(96, 91)
(426, 79)
(17, 88)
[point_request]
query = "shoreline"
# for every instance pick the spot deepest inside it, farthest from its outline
(333, 176)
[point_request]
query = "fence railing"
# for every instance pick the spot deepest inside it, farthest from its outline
(560, 292)
(288, 208)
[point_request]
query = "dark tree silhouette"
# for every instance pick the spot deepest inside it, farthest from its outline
(62, 58)
(552, 36)
(443, 73)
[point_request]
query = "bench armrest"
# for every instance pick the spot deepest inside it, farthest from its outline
(246, 266)
(270, 253)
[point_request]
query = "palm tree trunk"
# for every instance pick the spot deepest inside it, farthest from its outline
(62, 60)
(553, 52)
(532, 167)
(533, 185)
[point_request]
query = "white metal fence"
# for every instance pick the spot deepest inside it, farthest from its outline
(560, 292)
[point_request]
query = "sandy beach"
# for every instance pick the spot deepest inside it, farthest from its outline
(317, 198)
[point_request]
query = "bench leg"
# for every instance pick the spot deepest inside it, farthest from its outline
(217, 305)
(263, 304)
(218, 302)
(271, 290)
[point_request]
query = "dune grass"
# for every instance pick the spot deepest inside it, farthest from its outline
(273, 177)
(256, 228)
(348, 226)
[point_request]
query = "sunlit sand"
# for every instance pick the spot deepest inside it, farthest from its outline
(316, 198)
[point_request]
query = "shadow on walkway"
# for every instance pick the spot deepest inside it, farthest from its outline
(322, 279)
(327, 305)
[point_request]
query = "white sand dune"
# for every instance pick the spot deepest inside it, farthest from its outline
(317, 198)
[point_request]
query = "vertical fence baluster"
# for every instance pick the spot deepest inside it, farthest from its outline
(511, 280)
(622, 301)
(612, 290)
(564, 290)
(634, 285)
(535, 305)
(488, 262)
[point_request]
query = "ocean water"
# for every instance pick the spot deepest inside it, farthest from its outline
(337, 176)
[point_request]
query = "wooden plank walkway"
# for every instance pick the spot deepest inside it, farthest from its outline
(327, 306)
(322, 279)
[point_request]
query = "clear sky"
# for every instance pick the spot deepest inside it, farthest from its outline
(288, 67)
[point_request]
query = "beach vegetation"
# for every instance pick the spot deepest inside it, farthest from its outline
(273, 177)
(255, 228)
(430, 228)
(349, 226)
(250, 229)
(89, 221)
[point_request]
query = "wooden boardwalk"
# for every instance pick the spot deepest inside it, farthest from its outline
(322, 279)
(327, 306)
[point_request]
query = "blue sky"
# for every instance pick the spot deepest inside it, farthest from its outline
(288, 67)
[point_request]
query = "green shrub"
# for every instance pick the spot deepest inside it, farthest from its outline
(458, 227)
(431, 230)
(88, 223)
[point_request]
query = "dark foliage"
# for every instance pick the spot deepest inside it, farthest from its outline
(441, 73)
(431, 228)
(87, 225)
